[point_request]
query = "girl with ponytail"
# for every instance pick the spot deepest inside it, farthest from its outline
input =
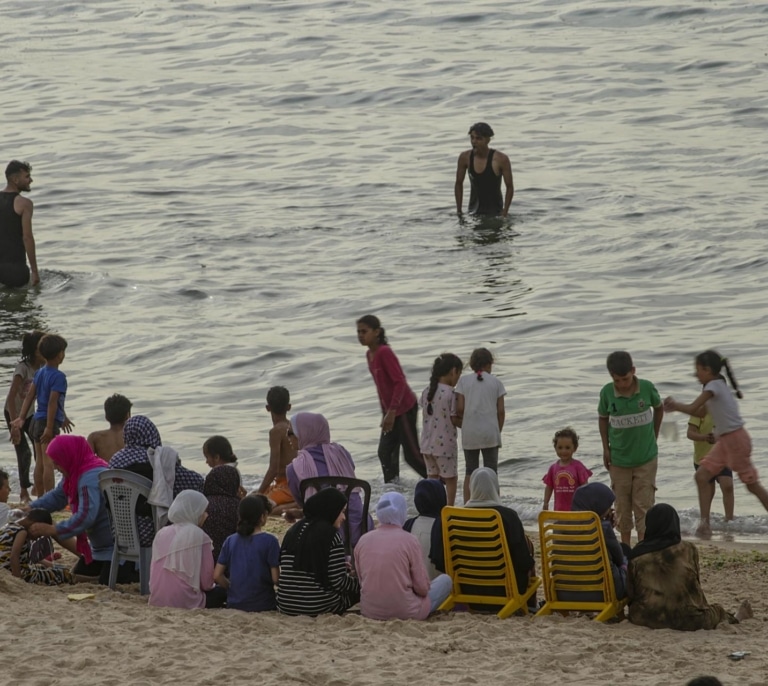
(438, 434)
(249, 563)
(733, 445)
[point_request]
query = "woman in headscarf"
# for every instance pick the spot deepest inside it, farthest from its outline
(87, 532)
(140, 435)
(663, 587)
(222, 488)
(317, 456)
(429, 498)
(314, 575)
(484, 493)
(181, 573)
(599, 498)
(394, 583)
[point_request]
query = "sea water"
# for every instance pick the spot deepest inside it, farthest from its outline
(222, 188)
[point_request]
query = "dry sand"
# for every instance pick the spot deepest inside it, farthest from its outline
(115, 638)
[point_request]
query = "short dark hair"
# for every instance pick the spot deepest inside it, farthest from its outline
(4, 477)
(51, 345)
(567, 432)
(619, 363)
(117, 408)
(481, 129)
(278, 399)
(15, 166)
(38, 515)
(705, 681)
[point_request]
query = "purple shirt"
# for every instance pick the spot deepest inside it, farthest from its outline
(564, 480)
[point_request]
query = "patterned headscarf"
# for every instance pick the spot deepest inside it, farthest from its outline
(139, 433)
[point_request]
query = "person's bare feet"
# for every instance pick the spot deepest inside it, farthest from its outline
(745, 611)
(704, 532)
(24, 496)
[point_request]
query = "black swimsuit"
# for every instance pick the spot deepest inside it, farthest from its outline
(485, 197)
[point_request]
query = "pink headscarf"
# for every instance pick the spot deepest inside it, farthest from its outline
(75, 457)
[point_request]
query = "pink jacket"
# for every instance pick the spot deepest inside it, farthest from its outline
(393, 578)
(394, 391)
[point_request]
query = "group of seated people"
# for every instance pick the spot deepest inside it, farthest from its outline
(213, 551)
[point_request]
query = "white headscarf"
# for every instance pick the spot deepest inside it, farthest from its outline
(185, 553)
(483, 488)
(392, 509)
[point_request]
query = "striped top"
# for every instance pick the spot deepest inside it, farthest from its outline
(298, 593)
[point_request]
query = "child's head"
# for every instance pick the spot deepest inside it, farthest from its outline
(709, 364)
(5, 486)
(446, 365)
(278, 400)
(481, 360)
(34, 517)
(566, 442)
(218, 450)
(51, 346)
(117, 409)
(29, 343)
(621, 369)
(370, 331)
(252, 513)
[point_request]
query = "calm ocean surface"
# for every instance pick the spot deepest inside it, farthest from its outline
(221, 189)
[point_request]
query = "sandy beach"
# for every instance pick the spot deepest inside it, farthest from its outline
(116, 638)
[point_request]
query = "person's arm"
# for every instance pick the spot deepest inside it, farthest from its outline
(18, 546)
(53, 501)
(206, 567)
(275, 441)
(275, 575)
(547, 496)
(19, 421)
(391, 367)
(219, 576)
(603, 425)
(461, 172)
(339, 578)
(29, 239)
(658, 415)
(53, 406)
(89, 497)
(419, 575)
(694, 434)
(506, 172)
(10, 406)
(458, 417)
(698, 408)
(500, 413)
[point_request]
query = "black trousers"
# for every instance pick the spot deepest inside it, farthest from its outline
(23, 451)
(403, 434)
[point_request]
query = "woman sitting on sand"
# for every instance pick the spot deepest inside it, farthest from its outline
(663, 585)
(314, 577)
(317, 456)
(222, 488)
(394, 583)
(87, 532)
(429, 498)
(484, 492)
(181, 572)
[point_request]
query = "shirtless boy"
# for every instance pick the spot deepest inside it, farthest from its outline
(283, 447)
(105, 443)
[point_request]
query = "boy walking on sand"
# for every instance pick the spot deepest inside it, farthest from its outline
(630, 413)
(283, 447)
(106, 442)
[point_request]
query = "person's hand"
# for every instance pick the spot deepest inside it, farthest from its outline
(41, 529)
(607, 459)
(17, 423)
(35, 278)
(711, 438)
(15, 435)
(241, 492)
(67, 426)
(670, 404)
(47, 436)
(388, 422)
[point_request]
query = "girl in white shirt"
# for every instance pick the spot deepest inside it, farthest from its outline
(733, 446)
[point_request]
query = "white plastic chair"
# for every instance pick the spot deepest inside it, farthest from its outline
(122, 490)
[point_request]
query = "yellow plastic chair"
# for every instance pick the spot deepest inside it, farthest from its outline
(575, 564)
(477, 557)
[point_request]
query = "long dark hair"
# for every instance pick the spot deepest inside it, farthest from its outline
(442, 365)
(713, 360)
(250, 512)
(372, 321)
(29, 343)
(481, 357)
(218, 446)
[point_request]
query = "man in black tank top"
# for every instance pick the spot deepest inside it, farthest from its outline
(486, 169)
(16, 240)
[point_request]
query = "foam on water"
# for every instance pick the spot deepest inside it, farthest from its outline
(222, 189)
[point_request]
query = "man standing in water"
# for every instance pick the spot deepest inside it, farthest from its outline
(16, 240)
(486, 168)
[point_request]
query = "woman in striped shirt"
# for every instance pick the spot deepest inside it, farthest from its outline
(314, 577)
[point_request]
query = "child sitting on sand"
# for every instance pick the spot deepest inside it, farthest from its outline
(15, 545)
(105, 443)
(567, 474)
(249, 562)
(283, 447)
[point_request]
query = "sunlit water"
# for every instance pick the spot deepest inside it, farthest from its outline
(221, 189)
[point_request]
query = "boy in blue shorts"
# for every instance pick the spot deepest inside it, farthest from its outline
(630, 413)
(49, 386)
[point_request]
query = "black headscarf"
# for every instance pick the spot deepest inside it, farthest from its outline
(593, 497)
(429, 498)
(662, 530)
(310, 540)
